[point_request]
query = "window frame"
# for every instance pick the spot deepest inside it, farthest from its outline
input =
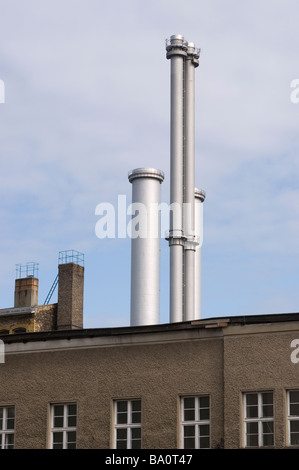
(4, 432)
(291, 418)
(65, 428)
(129, 425)
(197, 422)
(260, 420)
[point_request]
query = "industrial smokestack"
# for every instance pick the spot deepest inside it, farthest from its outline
(145, 246)
(191, 61)
(184, 58)
(176, 52)
(199, 199)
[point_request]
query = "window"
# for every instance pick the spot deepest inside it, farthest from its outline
(127, 424)
(7, 427)
(19, 330)
(293, 417)
(64, 426)
(259, 419)
(195, 418)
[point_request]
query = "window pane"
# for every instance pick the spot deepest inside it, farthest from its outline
(204, 402)
(136, 433)
(122, 407)
(189, 403)
(9, 441)
(294, 409)
(251, 399)
(136, 444)
(121, 418)
(72, 415)
(11, 412)
(267, 398)
(294, 396)
(136, 417)
(121, 438)
(136, 438)
(294, 428)
(1, 420)
(267, 411)
(204, 413)
(58, 422)
(189, 415)
(267, 404)
(204, 430)
(189, 443)
(121, 444)
(121, 434)
(57, 440)
(204, 442)
(189, 409)
(251, 411)
(252, 434)
(58, 410)
(251, 405)
(189, 431)
(136, 405)
(71, 439)
(268, 433)
(58, 416)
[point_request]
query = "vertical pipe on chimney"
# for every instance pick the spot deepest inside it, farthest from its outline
(199, 199)
(176, 52)
(145, 246)
(189, 169)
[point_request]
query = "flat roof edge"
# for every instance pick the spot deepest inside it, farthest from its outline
(216, 322)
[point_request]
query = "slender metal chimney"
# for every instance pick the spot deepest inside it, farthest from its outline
(145, 246)
(199, 199)
(184, 58)
(176, 51)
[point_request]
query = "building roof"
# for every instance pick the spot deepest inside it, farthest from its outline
(207, 323)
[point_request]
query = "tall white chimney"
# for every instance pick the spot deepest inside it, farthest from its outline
(199, 199)
(145, 246)
(182, 242)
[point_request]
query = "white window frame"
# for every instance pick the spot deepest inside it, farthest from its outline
(196, 422)
(4, 431)
(128, 425)
(65, 428)
(291, 417)
(259, 419)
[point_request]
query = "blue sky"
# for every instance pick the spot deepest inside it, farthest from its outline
(87, 97)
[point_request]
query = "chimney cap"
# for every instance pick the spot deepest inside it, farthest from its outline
(200, 194)
(146, 173)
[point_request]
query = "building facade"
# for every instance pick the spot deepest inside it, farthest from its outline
(215, 383)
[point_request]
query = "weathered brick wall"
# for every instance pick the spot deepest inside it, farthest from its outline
(46, 317)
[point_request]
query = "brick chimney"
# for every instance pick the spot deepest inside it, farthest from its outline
(26, 292)
(70, 296)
